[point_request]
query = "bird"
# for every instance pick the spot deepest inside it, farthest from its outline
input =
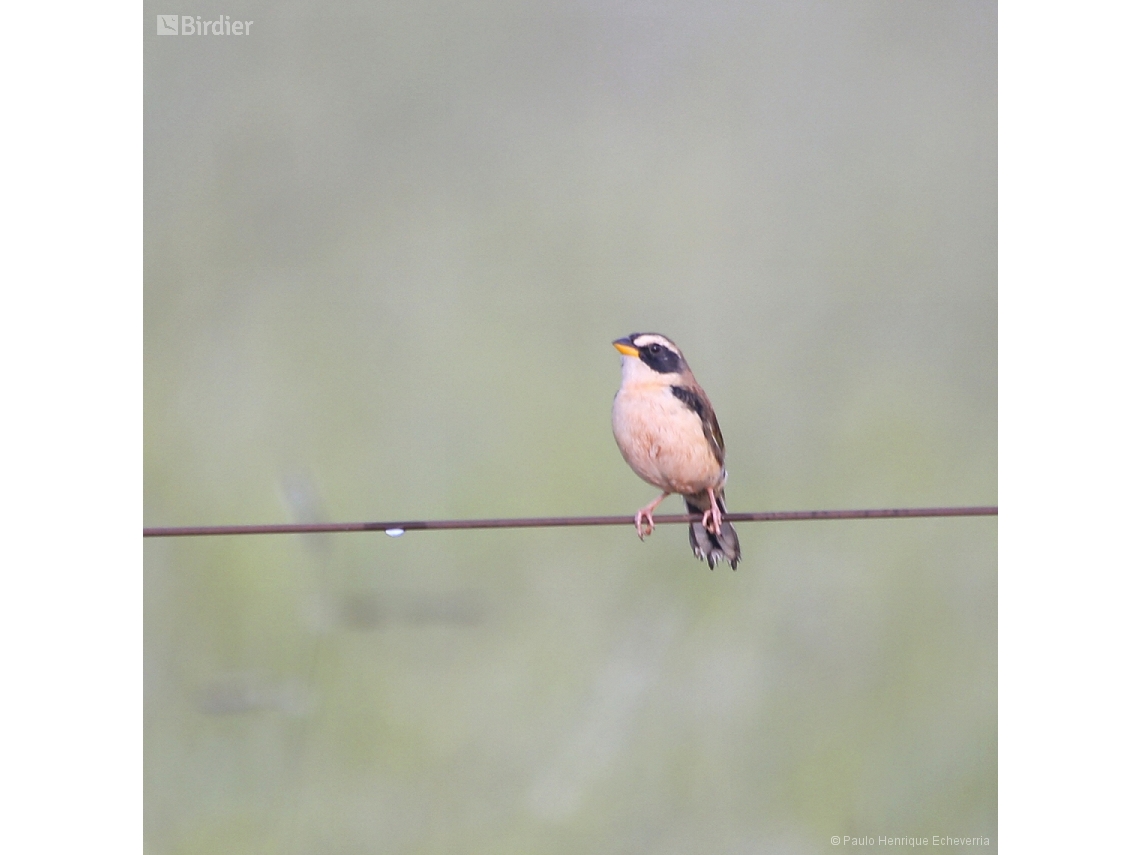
(667, 432)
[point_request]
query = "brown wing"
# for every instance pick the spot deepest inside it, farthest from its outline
(695, 399)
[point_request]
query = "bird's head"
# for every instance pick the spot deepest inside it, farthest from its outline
(650, 357)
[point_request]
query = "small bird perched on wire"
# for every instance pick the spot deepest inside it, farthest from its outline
(667, 432)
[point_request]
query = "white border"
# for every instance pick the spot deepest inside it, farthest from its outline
(71, 352)
(1068, 432)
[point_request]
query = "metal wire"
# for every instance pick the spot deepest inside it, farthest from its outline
(398, 528)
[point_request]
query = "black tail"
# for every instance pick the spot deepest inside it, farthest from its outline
(711, 547)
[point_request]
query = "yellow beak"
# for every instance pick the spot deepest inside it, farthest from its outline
(625, 348)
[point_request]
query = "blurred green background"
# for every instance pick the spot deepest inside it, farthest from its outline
(387, 248)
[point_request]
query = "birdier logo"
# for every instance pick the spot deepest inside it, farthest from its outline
(193, 25)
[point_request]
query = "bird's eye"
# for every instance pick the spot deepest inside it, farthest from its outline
(655, 348)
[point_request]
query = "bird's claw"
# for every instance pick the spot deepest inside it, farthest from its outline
(645, 517)
(711, 519)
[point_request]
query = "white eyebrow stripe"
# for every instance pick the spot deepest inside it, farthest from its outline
(652, 338)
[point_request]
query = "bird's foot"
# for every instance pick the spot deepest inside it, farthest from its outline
(645, 515)
(712, 518)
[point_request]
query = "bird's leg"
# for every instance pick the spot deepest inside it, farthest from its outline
(711, 518)
(646, 515)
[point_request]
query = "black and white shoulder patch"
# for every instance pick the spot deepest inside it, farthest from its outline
(689, 398)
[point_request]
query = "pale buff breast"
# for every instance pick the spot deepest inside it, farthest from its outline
(662, 440)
